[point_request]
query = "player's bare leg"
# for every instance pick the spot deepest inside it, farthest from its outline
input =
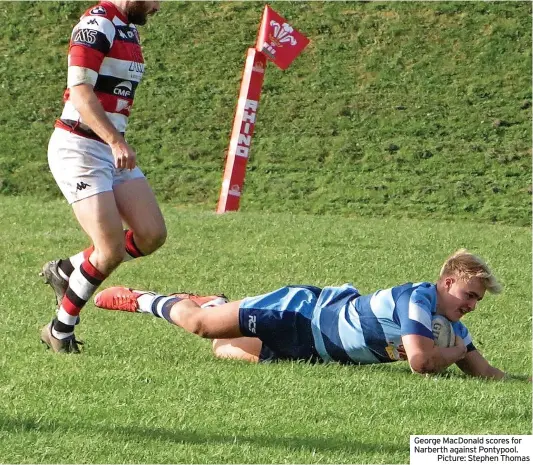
(99, 217)
(206, 316)
(138, 207)
(220, 322)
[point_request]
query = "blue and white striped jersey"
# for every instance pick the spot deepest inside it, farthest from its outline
(350, 328)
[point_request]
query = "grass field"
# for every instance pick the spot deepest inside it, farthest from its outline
(401, 134)
(145, 392)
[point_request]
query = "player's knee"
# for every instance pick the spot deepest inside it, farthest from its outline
(159, 237)
(216, 348)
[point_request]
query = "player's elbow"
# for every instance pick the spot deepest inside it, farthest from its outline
(422, 364)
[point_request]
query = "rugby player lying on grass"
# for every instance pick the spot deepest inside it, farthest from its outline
(334, 323)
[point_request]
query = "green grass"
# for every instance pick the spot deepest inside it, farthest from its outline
(146, 392)
(400, 135)
(396, 109)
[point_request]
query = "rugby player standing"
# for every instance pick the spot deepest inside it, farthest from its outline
(94, 166)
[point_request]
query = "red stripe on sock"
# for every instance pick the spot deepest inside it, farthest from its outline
(69, 307)
(89, 268)
(131, 247)
(87, 252)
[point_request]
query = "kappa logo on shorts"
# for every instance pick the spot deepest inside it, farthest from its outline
(252, 323)
(81, 185)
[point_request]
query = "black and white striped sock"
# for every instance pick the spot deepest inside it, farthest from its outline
(161, 306)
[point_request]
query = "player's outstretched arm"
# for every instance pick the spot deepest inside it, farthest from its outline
(474, 364)
(424, 357)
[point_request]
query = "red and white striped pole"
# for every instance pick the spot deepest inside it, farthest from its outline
(243, 130)
(280, 43)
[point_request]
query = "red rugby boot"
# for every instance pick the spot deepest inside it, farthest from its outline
(119, 298)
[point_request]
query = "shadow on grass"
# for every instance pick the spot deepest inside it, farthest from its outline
(322, 444)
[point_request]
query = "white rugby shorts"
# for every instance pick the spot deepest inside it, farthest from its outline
(84, 167)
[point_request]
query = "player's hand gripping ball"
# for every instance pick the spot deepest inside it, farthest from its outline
(443, 332)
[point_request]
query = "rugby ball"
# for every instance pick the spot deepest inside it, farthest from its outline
(443, 332)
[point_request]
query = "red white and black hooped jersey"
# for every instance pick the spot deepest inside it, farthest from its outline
(104, 52)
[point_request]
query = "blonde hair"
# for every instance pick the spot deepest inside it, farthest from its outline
(466, 265)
